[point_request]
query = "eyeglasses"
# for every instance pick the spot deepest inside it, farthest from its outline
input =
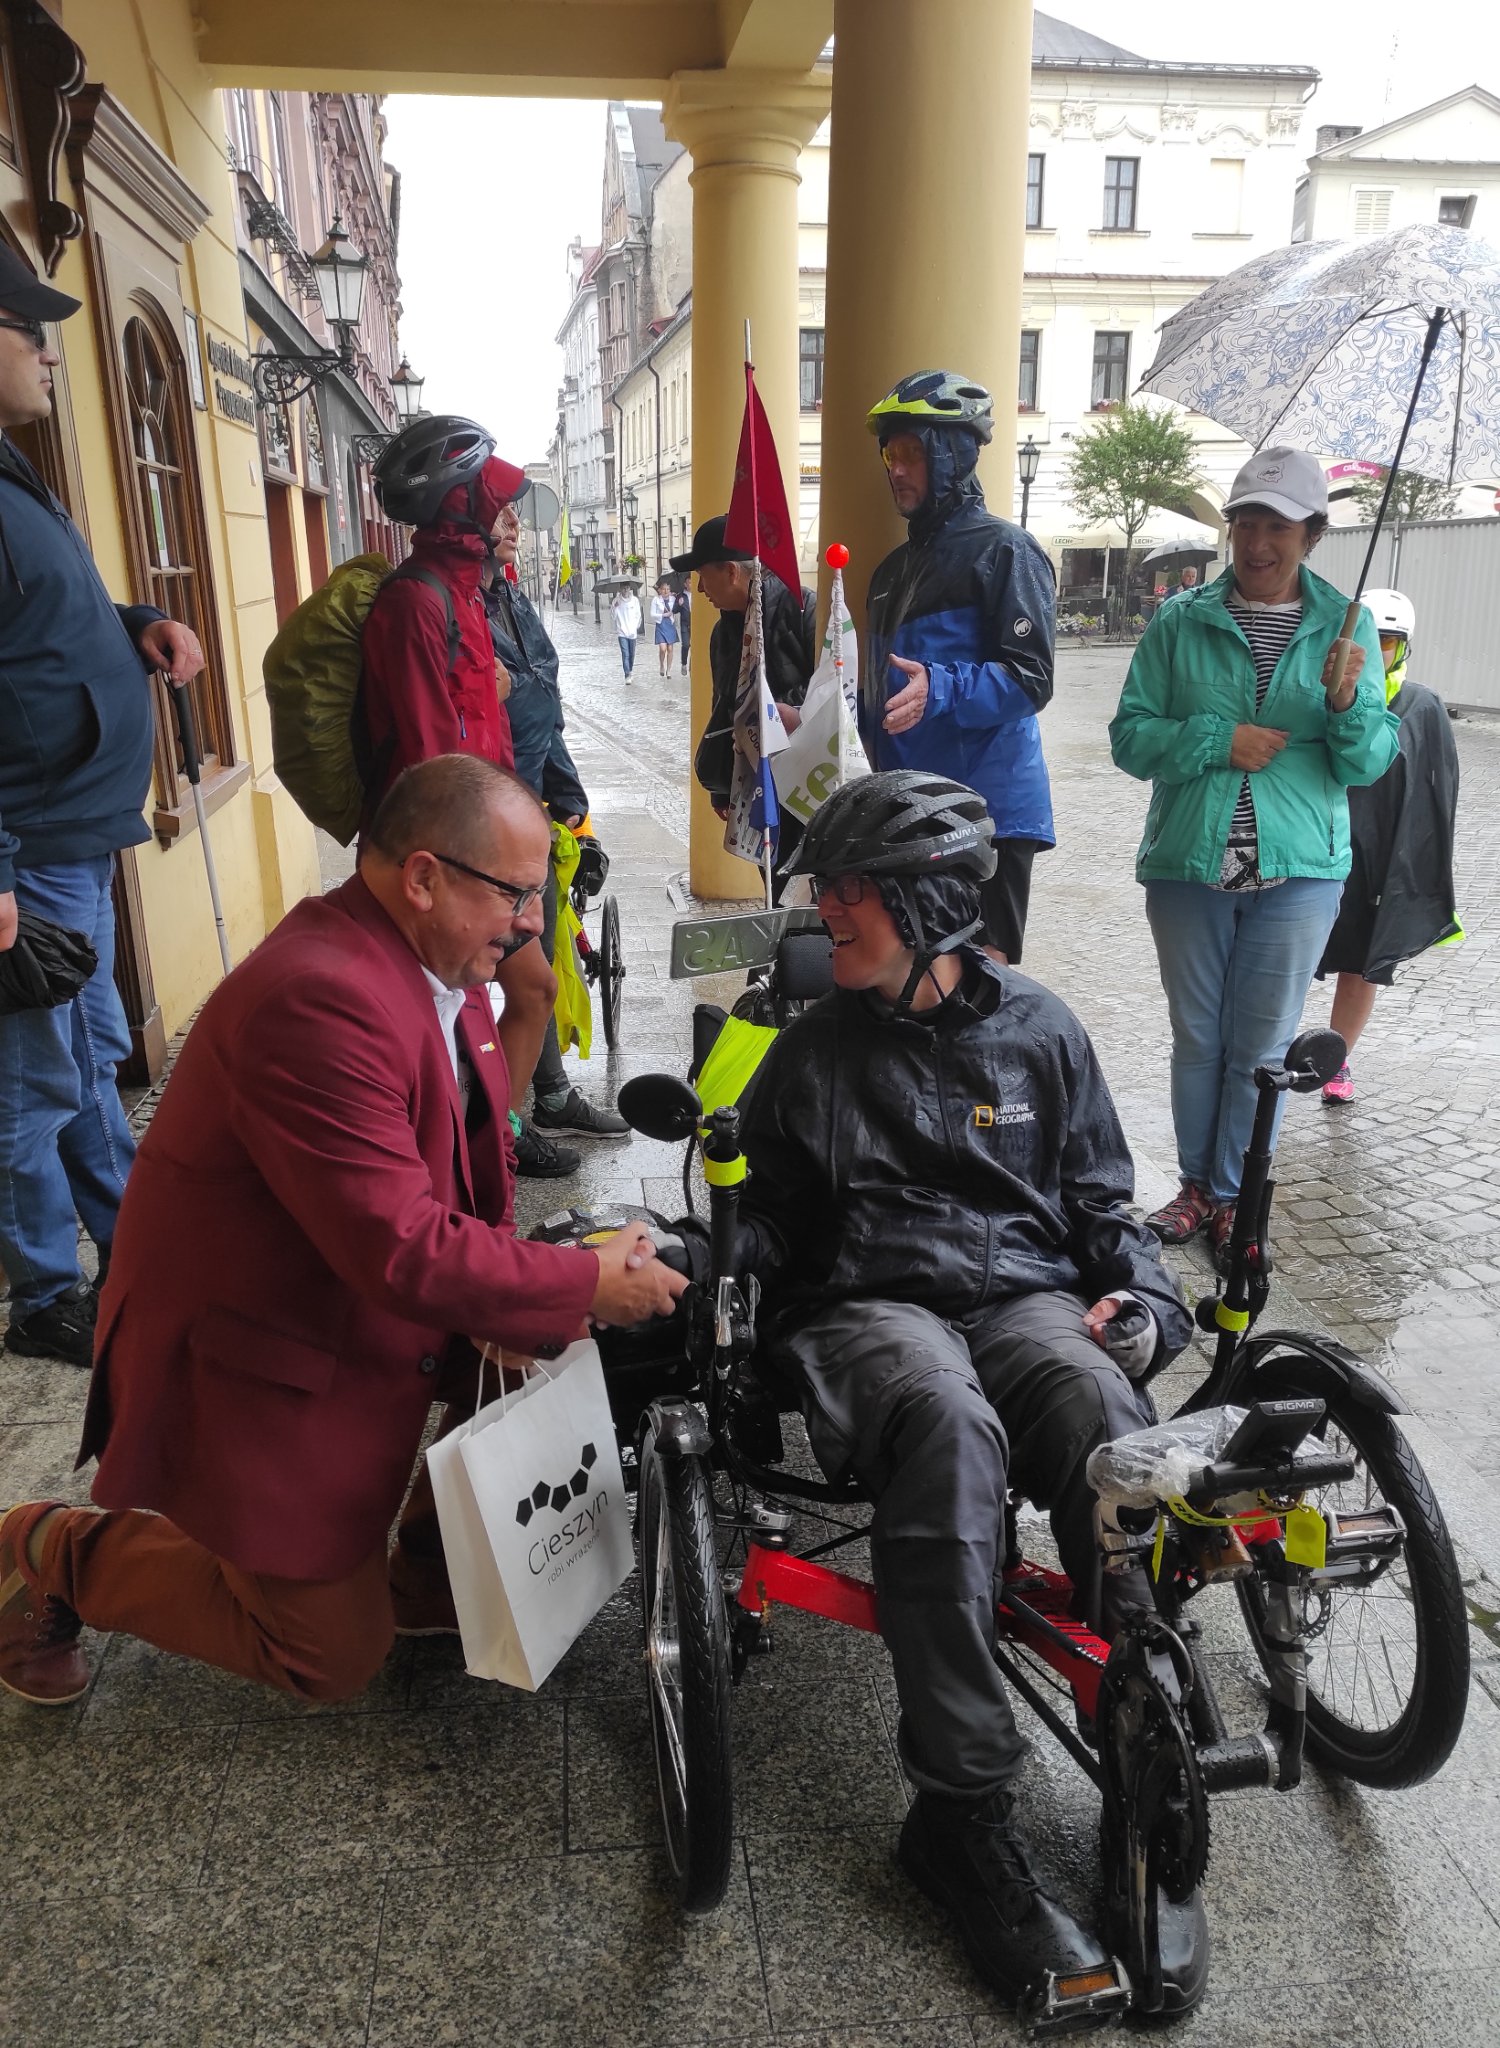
(906, 452)
(846, 889)
(37, 329)
(520, 898)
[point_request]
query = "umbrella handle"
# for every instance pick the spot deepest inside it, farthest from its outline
(1344, 646)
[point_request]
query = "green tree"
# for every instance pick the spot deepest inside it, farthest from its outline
(1415, 497)
(1134, 459)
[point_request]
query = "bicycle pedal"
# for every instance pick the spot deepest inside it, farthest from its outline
(1077, 2003)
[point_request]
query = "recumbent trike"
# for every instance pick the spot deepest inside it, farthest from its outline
(1284, 1473)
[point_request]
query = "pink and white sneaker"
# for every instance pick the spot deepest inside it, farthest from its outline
(1341, 1087)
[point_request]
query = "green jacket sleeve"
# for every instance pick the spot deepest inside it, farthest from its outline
(1364, 740)
(1144, 740)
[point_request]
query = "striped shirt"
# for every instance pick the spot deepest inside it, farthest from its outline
(1270, 629)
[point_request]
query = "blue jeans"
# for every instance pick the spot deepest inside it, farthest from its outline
(65, 1147)
(627, 653)
(1236, 966)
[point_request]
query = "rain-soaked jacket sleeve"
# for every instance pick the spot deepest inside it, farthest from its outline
(1143, 738)
(1111, 1250)
(1017, 610)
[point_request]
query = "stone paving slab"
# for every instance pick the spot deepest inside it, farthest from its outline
(191, 1859)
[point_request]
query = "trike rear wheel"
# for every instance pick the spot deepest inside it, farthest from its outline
(687, 1672)
(611, 971)
(1388, 1659)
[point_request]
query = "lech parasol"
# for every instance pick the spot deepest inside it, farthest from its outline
(1385, 350)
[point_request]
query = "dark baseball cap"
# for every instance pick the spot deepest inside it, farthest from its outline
(22, 291)
(708, 547)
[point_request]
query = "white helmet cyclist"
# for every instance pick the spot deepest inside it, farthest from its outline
(1395, 619)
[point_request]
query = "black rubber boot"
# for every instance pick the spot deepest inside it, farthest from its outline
(973, 1861)
(1181, 1934)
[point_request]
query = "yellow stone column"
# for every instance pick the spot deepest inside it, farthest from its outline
(926, 237)
(745, 131)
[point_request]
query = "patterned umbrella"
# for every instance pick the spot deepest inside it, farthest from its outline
(1333, 345)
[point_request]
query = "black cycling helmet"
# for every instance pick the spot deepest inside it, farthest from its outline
(417, 470)
(927, 843)
(903, 821)
(934, 398)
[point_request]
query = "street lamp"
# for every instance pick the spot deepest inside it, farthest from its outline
(630, 505)
(1028, 459)
(406, 389)
(339, 271)
(591, 542)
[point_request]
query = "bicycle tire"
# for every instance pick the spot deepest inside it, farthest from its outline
(1409, 1629)
(611, 971)
(687, 1673)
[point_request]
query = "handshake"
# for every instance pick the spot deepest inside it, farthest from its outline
(637, 1277)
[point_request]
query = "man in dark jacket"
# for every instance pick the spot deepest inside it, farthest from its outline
(791, 635)
(76, 741)
(937, 1209)
(525, 650)
(961, 625)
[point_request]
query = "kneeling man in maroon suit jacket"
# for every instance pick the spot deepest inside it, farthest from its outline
(318, 1222)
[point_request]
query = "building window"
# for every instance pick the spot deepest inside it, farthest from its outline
(281, 157)
(1372, 210)
(1031, 349)
(171, 518)
(1121, 176)
(1456, 210)
(1035, 167)
(1111, 369)
(810, 368)
(243, 142)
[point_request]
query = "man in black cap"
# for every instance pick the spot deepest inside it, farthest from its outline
(76, 738)
(791, 645)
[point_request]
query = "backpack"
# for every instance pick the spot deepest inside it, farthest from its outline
(312, 674)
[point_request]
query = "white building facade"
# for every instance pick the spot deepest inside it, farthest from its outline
(1440, 164)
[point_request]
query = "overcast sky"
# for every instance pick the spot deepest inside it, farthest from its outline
(484, 283)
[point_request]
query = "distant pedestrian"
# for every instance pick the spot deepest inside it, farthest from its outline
(1188, 580)
(1398, 899)
(682, 612)
(626, 613)
(664, 625)
(1231, 712)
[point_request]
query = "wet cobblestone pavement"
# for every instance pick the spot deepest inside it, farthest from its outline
(191, 1860)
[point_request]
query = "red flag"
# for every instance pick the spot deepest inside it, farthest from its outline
(758, 521)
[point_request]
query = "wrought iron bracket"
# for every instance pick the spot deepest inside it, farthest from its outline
(283, 379)
(368, 448)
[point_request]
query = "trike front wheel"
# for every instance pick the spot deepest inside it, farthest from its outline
(1388, 1655)
(687, 1672)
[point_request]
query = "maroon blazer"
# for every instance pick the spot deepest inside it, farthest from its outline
(305, 1227)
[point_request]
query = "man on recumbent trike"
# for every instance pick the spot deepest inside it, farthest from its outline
(936, 1209)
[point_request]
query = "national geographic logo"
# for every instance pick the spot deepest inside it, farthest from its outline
(988, 1114)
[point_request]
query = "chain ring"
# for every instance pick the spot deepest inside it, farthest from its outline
(1138, 1720)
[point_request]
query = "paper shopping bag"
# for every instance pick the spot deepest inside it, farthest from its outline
(536, 1527)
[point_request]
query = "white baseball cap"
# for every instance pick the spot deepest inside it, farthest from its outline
(1284, 480)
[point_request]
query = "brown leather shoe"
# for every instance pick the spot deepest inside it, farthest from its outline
(40, 1660)
(421, 1597)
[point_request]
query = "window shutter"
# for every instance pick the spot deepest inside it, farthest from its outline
(1372, 212)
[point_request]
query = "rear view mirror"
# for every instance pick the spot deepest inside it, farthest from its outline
(660, 1106)
(1313, 1058)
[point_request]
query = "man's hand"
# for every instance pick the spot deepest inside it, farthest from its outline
(633, 1282)
(502, 679)
(1131, 1346)
(1104, 1311)
(791, 717)
(1343, 697)
(9, 920)
(172, 648)
(721, 810)
(906, 707)
(1253, 746)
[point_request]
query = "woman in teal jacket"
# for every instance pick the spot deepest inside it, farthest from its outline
(1230, 711)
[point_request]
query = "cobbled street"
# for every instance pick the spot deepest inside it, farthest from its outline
(191, 1860)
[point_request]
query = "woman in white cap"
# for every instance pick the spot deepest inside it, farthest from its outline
(1235, 713)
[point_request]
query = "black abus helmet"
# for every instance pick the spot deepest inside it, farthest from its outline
(901, 822)
(934, 398)
(418, 469)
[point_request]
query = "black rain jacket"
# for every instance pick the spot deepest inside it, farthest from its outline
(952, 1163)
(791, 657)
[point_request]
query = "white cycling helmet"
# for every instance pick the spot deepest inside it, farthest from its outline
(1392, 612)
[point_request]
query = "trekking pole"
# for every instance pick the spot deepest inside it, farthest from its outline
(192, 767)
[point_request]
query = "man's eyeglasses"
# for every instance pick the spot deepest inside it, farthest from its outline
(37, 329)
(520, 898)
(845, 889)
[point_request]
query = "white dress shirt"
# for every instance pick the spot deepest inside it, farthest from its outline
(448, 1002)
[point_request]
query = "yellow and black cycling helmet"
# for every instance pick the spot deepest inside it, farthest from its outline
(934, 398)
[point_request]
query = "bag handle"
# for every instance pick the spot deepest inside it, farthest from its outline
(490, 1355)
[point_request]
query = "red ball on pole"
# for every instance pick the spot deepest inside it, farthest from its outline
(837, 556)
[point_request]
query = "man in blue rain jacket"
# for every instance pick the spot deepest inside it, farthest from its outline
(961, 620)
